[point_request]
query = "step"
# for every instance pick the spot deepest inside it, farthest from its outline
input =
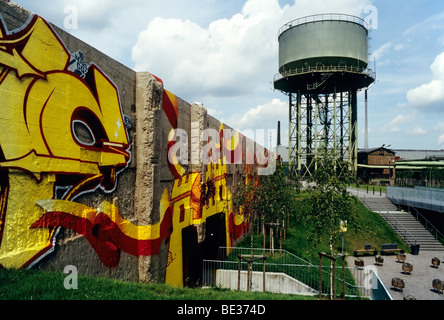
(411, 230)
(431, 249)
(422, 240)
(411, 222)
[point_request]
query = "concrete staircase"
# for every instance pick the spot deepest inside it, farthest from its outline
(411, 231)
(377, 203)
(405, 224)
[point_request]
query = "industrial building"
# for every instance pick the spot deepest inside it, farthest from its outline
(376, 166)
(423, 168)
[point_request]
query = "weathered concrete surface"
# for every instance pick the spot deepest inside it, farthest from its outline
(147, 142)
(275, 282)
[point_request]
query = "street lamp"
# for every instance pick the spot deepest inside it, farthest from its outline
(390, 175)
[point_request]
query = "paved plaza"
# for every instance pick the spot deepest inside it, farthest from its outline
(418, 283)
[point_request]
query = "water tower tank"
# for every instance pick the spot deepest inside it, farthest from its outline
(334, 44)
(329, 40)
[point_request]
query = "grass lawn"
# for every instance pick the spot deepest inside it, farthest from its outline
(371, 229)
(40, 285)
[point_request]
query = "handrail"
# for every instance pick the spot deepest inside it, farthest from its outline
(405, 229)
(324, 17)
(427, 222)
(236, 263)
(323, 68)
(388, 213)
(308, 264)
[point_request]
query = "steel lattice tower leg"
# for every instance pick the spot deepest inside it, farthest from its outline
(294, 133)
(320, 123)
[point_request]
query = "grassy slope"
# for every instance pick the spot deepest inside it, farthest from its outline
(372, 230)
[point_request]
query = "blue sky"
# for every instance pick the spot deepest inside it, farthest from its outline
(224, 54)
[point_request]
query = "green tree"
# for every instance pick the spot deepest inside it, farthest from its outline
(270, 197)
(329, 202)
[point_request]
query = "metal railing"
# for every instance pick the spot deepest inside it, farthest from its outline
(379, 290)
(324, 17)
(400, 229)
(417, 215)
(283, 267)
(386, 214)
(324, 68)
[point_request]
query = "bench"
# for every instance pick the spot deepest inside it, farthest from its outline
(390, 248)
(367, 250)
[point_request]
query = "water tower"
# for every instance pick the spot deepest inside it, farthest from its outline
(323, 63)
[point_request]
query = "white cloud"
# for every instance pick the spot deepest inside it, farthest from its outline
(391, 129)
(303, 8)
(381, 51)
(430, 95)
(437, 66)
(264, 116)
(399, 46)
(229, 57)
(425, 25)
(439, 127)
(399, 121)
(231, 79)
(416, 130)
(222, 60)
(441, 141)
(261, 121)
(113, 26)
(403, 118)
(214, 112)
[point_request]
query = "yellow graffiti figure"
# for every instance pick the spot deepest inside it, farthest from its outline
(44, 105)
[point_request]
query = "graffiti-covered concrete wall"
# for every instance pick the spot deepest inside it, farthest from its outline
(103, 168)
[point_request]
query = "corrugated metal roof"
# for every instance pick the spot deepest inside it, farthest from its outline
(412, 154)
(371, 150)
(420, 163)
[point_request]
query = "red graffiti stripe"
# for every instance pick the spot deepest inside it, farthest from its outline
(236, 231)
(106, 237)
(171, 165)
(107, 252)
(171, 109)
